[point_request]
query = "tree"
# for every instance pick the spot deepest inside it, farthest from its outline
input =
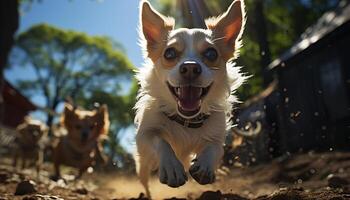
(262, 40)
(68, 64)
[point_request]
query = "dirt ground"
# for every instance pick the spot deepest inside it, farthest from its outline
(311, 176)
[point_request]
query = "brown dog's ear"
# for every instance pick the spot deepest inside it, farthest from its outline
(155, 28)
(68, 108)
(228, 28)
(103, 119)
(68, 113)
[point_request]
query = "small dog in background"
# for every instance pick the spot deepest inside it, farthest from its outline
(30, 143)
(186, 92)
(82, 144)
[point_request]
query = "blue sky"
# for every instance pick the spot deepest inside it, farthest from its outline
(117, 19)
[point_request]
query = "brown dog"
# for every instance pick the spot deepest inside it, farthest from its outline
(30, 142)
(82, 144)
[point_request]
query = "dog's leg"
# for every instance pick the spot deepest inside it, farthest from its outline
(57, 174)
(83, 168)
(144, 173)
(205, 164)
(171, 171)
(24, 159)
(15, 158)
(56, 164)
(146, 159)
(39, 162)
(80, 174)
(100, 156)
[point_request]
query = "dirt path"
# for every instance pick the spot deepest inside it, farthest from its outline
(305, 177)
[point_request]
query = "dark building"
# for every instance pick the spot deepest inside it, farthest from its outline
(309, 108)
(313, 107)
(16, 106)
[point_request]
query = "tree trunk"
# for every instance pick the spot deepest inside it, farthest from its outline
(51, 117)
(262, 39)
(9, 18)
(49, 122)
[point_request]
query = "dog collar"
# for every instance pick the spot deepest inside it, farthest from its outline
(195, 122)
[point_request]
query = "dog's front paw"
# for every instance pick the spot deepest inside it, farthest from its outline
(171, 172)
(202, 172)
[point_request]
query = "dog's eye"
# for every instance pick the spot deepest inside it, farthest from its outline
(170, 53)
(211, 54)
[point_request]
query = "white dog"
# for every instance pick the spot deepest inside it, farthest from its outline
(186, 92)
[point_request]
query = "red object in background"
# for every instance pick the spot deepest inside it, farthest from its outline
(16, 106)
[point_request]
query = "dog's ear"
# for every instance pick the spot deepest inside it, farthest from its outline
(27, 119)
(103, 119)
(68, 113)
(102, 110)
(228, 28)
(155, 28)
(44, 129)
(68, 109)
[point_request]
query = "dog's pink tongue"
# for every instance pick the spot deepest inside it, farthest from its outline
(190, 98)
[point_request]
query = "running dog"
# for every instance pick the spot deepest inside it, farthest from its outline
(30, 143)
(81, 145)
(187, 85)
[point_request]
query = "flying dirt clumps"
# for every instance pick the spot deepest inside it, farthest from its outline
(218, 195)
(301, 194)
(4, 177)
(26, 187)
(336, 181)
(42, 197)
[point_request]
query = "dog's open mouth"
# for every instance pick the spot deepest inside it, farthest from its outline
(189, 98)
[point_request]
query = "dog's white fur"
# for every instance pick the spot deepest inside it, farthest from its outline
(164, 144)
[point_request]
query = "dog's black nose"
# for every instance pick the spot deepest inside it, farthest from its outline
(190, 70)
(84, 135)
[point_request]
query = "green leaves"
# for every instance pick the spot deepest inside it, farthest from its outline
(71, 61)
(71, 64)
